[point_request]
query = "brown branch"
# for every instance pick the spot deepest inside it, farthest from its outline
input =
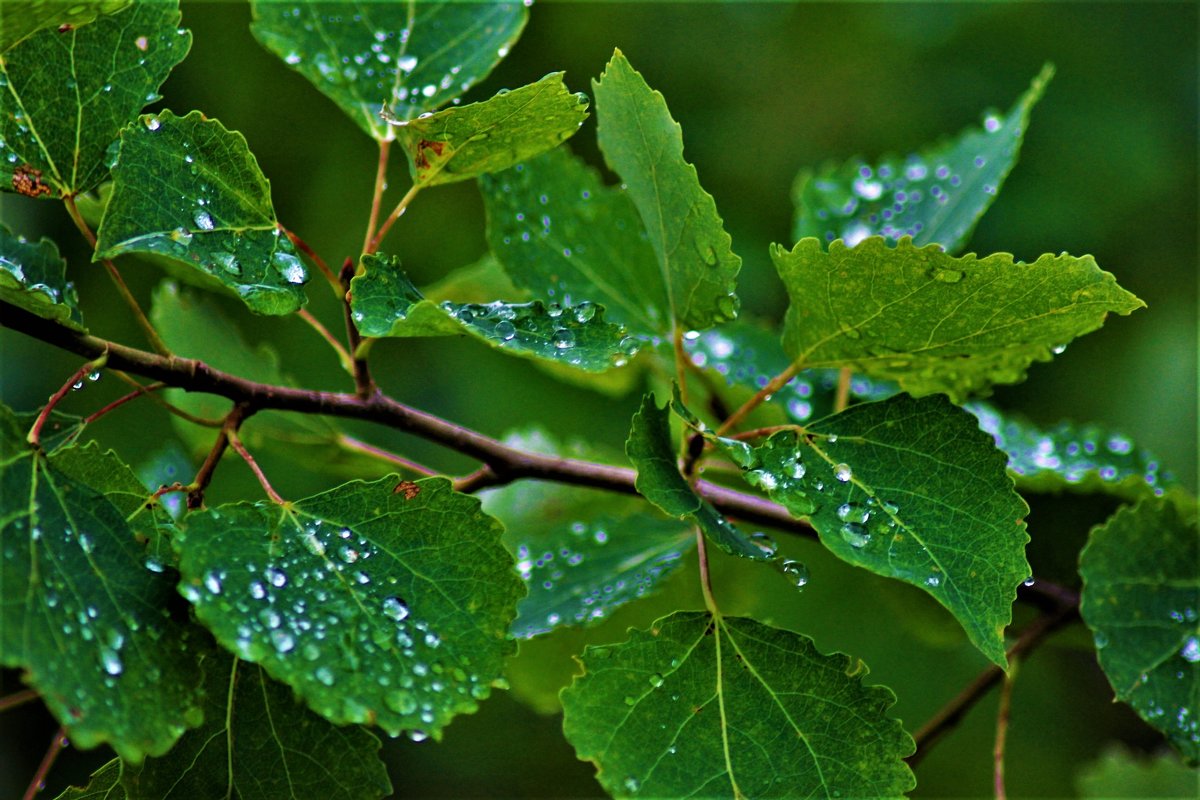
(366, 448)
(1002, 718)
(195, 496)
(236, 443)
(18, 699)
(359, 368)
(120, 401)
(38, 783)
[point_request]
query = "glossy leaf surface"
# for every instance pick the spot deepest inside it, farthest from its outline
(25, 17)
(385, 303)
(189, 189)
(34, 277)
(461, 143)
(703, 706)
(933, 322)
(644, 145)
(64, 96)
(411, 56)
(385, 603)
(1141, 598)
(935, 195)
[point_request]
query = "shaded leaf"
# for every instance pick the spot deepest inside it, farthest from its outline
(565, 236)
(935, 323)
(79, 613)
(385, 303)
(377, 606)
(64, 96)
(464, 142)
(189, 189)
(935, 196)
(704, 706)
(410, 57)
(1120, 773)
(34, 277)
(644, 145)
(104, 785)
(480, 282)
(25, 17)
(1141, 598)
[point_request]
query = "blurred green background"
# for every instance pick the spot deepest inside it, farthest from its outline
(1109, 168)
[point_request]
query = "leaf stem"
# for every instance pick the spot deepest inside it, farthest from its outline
(303, 247)
(16, 699)
(705, 578)
(35, 433)
(773, 386)
(1002, 718)
(38, 783)
(385, 147)
(397, 212)
(136, 393)
(179, 412)
(842, 398)
(343, 354)
(151, 334)
(363, 383)
(233, 420)
(236, 443)
(359, 446)
(758, 433)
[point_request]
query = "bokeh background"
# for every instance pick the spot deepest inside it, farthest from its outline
(1109, 167)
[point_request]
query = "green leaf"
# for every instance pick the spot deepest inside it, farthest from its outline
(1119, 773)
(564, 235)
(703, 706)
(79, 613)
(410, 57)
(188, 189)
(644, 145)
(479, 282)
(34, 277)
(910, 489)
(66, 95)
(22, 18)
(378, 603)
(1141, 598)
(935, 196)
(933, 322)
(385, 303)
(464, 142)
(104, 785)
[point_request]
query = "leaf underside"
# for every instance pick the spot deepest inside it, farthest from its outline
(34, 277)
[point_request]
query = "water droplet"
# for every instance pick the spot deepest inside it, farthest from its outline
(991, 123)
(843, 472)
(324, 675)
(283, 641)
(418, 736)
(584, 312)
(395, 608)
(506, 330)
(656, 680)
(933, 581)
(563, 339)
(853, 512)
(1191, 650)
(203, 221)
(796, 572)
(1028, 581)
(629, 346)
(1101, 639)
(154, 565)
(112, 663)
(764, 543)
(212, 582)
(632, 785)
(152, 122)
(855, 535)
(406, 63)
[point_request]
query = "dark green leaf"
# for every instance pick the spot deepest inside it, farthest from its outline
(384, 603)
(462, 143)
(1141, 598)
(644, 145)
(66, 95)
(188, 189)
(22, 18)
(409, 56)
(935, 323)
(703, 706)
(1120, 773)
(79, 612)
(104, 785)
(34, 277)
(934, 196)
(385, 303)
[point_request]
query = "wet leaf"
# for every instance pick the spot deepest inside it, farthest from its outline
(410, 57)
(464, 142)
(385, 303)
(34, 277)
(704, 706)
(935, 195)
(377, 606)
(22, 18)
(66, 95)
(644, 145)
(1120, 773)
(933, 322)
(79, 611)
(189, 189)
(1141, 598)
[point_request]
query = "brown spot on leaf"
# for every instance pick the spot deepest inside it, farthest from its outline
(420, 159)
(66, 27)
(408, 489)
(28, 181)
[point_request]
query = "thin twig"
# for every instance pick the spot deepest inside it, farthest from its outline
(397, 212)
(236, 443)
(1002, 718)
(120, 401)
(35, 433)
(773, 386)
(361, 371)
(385, 147)
(359, 446)
(39, 778)
(303, 247)
(342, 353)
(9, 702)
(177, 411)
(233, 420)
(481, 478)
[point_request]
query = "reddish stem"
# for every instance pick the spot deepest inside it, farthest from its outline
(141, 390)
(18, 699)
(35, 433)
(241, 450)
(39, 778)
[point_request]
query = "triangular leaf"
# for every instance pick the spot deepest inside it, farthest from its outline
(23, 18)
(34, 277)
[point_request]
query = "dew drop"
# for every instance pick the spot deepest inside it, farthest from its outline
(324, 675)
(212, 583)
(506, 330)
(843, 472)
(656, 680)
(277, 577)
(395, 608)
(203, 220)
(1191, 650)
(855, 535)
(796, 572)
(563, 339)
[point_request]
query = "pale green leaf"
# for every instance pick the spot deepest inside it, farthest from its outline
(189, 189)
(1141, 598)
(461, 143)
(409, 56)
(933, 322)
(385, 603)
(480, 282)
(34, 277)
(64, 96)
(22, 18)
(703, 706)
(935, 195)
(1120, 773)
(643, 144)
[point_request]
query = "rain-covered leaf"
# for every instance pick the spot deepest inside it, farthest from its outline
(1120, 773)
(704, 706)
(644, 145)
(64, 96)
(34, 277)
(461, 143)
(79, 611)
(21, 18)
(565, 236)
(385, 603)
(385, 303)
(933, 322)
(410, 56)
(189, 189)
(660, 482)
(935, 195)
(1080, 458)
(910, 489)
(1141, 598)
